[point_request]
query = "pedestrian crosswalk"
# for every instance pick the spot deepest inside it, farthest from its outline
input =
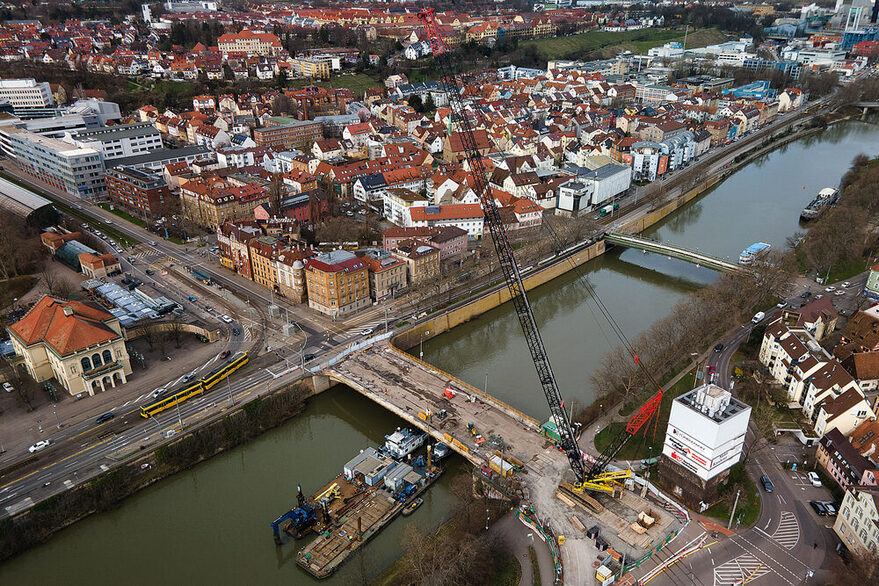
(374, 327)
(788, 531)
(741, 570)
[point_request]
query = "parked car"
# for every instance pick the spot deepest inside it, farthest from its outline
(781, 305)
(819, 508)
(806, 294)
(105, 418)
(767, 484)
(7, 387)
(40, 445)
(225, 354)
(718, 348)
(813, 478)
(831, 508)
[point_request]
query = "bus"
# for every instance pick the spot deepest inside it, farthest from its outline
(195, 388)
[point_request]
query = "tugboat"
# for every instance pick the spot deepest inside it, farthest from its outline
(403, 442)
(825, 198)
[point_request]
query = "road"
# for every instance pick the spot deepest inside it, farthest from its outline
(789, 539)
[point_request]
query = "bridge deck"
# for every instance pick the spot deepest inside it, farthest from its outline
(675, 251)
(405, 386)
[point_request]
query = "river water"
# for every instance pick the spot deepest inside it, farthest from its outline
(211, 524)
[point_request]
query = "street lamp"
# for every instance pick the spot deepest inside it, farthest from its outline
(421, 344)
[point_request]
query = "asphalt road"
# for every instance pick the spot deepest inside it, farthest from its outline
(789, 539)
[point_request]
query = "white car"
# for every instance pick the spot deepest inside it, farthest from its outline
(152, 242)
(226, 319)
(39, 446)
(366, 332)
(7, 387)
(781, 305)
(813, 478)
(838, 293)
(845, 284)
(155, 394)
(830, 289)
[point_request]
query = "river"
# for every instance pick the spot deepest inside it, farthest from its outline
(211, 524)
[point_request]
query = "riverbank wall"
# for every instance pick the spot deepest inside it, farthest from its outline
(107, 490)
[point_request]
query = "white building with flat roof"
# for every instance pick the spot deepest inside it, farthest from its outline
(26, 95)
(704, 439)
(76, 170)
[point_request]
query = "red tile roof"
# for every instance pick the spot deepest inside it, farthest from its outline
(48, 322)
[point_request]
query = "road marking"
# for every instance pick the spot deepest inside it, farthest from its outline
(55, 463)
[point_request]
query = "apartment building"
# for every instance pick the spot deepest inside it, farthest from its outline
(76, 170)
(263, 260)
(422, 259)
(123, 140)
(249, 43)
(337, 283)
(466, 216)
(828, 394)
(842, 461)
(298, 134)
(311, 67)
(290, 268)
(140, 193)
(450, 240)
(397, 201)
(210, 202)
(232, 239)
(857, 523)
(387, 273)
(28, 98)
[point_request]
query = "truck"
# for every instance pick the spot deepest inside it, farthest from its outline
(609, 209)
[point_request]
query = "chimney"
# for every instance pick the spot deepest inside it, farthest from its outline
(68, 311)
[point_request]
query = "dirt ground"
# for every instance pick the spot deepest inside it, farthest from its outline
(58, 271)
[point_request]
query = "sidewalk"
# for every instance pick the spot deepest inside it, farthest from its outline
(514, 536)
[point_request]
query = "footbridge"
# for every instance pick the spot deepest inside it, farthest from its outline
(691, 256)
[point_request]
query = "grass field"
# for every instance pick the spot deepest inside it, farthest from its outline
(123, 215)
(639, 447)
(576, 46)
(748, 508)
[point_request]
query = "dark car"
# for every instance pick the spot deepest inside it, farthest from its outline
(308, 357)
(806, 294)
(767, 484)
(819, 507)
(149, 272)
(236, 331)
(105, 418)
(718, 348)
(225, 354)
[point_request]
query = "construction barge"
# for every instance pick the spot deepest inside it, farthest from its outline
(372, 490)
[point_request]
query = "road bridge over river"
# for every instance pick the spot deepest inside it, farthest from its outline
(410, 388)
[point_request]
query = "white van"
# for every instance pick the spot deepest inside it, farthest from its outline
(758, 317)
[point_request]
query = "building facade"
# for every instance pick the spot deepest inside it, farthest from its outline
(337, 283)
(79, 344)
(299, 134)
(138, 192)
(78, 171)
(704, 439)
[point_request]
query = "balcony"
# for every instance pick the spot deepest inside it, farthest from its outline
(98, 371)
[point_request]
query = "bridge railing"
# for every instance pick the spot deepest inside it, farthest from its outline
(626, 239)
(467, 387)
